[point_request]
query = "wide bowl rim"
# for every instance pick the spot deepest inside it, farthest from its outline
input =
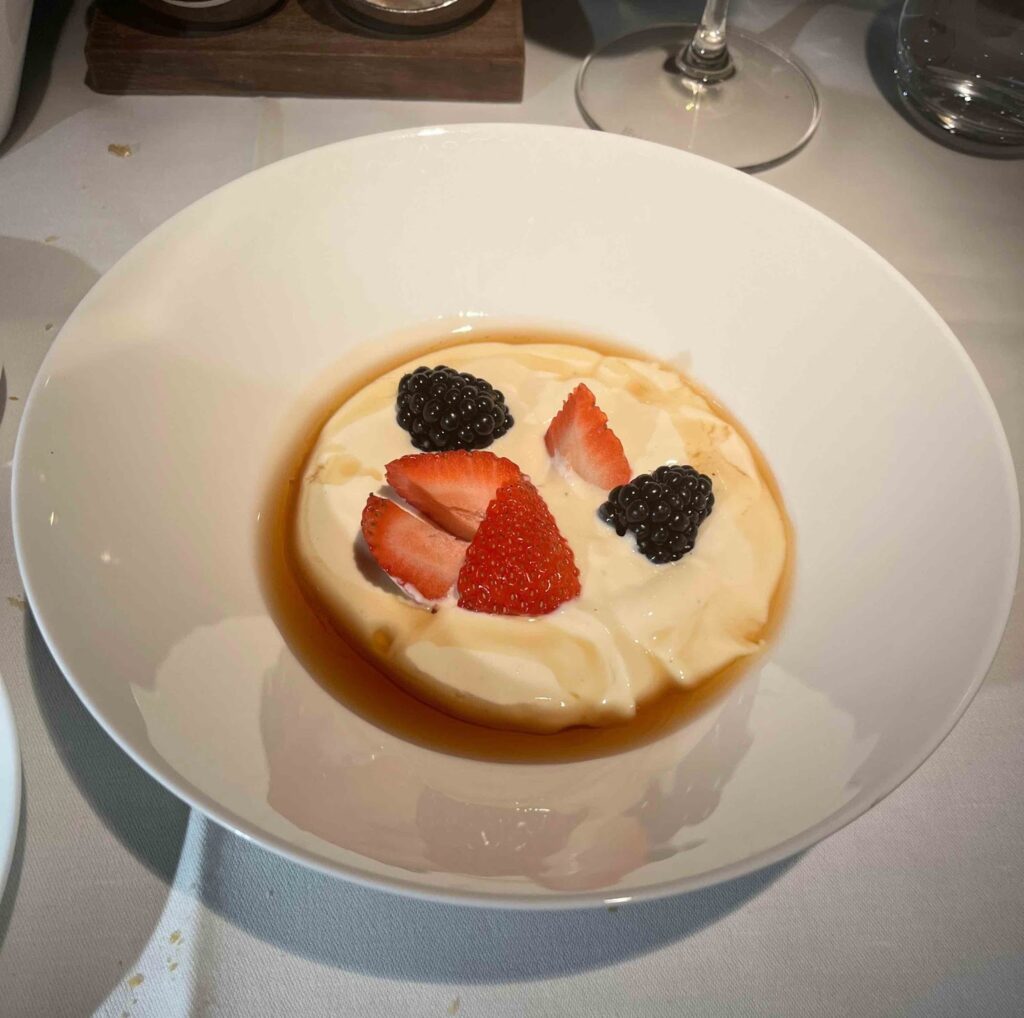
(501, 898)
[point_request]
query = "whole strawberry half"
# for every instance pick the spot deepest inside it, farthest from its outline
(518, 563)
(453, 489)
(580, 436)
(413, 552)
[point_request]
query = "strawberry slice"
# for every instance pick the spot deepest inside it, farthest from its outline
(453, 488)
(519, 563)
(413, 552)
(580, 436)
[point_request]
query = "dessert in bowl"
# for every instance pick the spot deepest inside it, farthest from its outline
(571, 533)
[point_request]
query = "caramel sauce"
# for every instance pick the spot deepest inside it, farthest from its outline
(363, 687)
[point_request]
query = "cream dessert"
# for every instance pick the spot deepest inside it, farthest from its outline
(629, 628)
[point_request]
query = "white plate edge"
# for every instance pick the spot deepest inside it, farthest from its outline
(500, 899)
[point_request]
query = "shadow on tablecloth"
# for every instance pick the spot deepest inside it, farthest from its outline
(333, 922)
(73, 889)
(147, 819)
(67, 887)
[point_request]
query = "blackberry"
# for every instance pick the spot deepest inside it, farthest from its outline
(662, 510)
(445, 409)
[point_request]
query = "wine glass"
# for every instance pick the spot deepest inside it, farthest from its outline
(737, 100)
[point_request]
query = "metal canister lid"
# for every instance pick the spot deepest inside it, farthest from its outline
(410, 15)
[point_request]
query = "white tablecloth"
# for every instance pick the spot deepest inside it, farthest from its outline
(122, 902)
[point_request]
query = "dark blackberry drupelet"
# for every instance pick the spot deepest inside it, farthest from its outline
(444, 409)
(662, 510)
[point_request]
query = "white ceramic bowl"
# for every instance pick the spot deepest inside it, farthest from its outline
(10, 786)
(148, 438)
(15, 15)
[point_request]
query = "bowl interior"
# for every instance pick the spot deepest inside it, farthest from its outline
(162, 408)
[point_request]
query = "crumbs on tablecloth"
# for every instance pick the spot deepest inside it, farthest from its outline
(453, 1007)
(136, 980)
(176, 937)
(17, 602)
(121, 151)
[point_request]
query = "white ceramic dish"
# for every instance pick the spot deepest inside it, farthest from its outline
(16, 16)
(149, 435)
(10, 786)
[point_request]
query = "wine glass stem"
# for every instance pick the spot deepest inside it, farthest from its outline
(706, 57)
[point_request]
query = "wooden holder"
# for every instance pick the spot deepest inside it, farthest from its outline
(306, 47)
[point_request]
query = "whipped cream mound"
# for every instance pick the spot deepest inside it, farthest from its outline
(637, 628)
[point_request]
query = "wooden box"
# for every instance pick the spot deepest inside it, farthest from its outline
(306, 47)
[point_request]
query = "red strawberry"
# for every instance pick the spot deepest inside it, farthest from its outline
(452, 488)
(580, 434)
(411, 551)
(518, 563)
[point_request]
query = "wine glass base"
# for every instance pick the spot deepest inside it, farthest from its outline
(760, 115)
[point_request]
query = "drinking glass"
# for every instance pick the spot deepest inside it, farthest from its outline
(723, 95)
(960, 66)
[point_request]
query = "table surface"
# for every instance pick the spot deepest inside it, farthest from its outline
(123, 902)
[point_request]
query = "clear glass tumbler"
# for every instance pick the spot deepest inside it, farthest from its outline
(960, 67)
